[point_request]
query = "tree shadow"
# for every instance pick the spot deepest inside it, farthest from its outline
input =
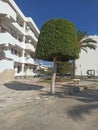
(22, 86)
(70, 91)
(78, 112)
(88, 97)
(62, 92)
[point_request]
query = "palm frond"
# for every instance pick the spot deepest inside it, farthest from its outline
(85, 42)
(84, 49)
(81, 35)
(90, 46)
(88, 40)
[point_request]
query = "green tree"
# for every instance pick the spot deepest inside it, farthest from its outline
(64, 67)
(57, 42)
(84, 42)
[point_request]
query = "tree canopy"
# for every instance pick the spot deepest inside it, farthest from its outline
(57, 39)
(57, 42)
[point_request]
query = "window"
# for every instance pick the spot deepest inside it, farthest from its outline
(12, 51)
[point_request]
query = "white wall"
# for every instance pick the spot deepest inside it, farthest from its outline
(6, 64)
(88, 61)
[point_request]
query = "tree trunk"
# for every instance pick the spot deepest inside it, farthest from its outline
(53, 76)
(73, 73)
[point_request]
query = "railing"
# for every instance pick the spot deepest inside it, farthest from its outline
(18, 28)
(29, 60)
(31, 34)
(30, 47)
(8, 38)
(5, 9)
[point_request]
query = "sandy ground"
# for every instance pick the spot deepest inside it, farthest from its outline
(27, 105)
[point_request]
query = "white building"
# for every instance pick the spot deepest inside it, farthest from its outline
(44, 67)
(18, 38)
(88, 62)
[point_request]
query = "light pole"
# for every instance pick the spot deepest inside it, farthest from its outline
(81, 71)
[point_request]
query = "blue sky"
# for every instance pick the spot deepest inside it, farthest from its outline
(83, 13)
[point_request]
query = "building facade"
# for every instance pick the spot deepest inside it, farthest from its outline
(18, 38)
(87, 64)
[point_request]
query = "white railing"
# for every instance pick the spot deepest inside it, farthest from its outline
(29, 60)
(30, 47)
(31, 34)
(8, 38)
(26, 60)
(5, 9)
(11, 56)
(21, 59)
(19, 28)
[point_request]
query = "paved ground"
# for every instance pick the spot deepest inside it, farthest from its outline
(27, 105)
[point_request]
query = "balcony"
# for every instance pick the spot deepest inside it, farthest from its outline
(31, 34)
(8, 38)
(29, 60)
(11, 56)
(14, 57)
(18, 28)
(21, 60)
(30, 47)
(6, 10)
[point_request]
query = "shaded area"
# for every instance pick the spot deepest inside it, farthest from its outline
(22, 86)
(2, 54)
(64, 91)
(85, 93)
(77, 112)
(87, 96)
(90, 98)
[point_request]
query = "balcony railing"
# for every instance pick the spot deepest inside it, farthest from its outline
(30, 47)
(26, 60)
(18, 28)
(21, 59)
(29, 60)
(5, 9)
(31, 34)
(8, 38)
(11, 56)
